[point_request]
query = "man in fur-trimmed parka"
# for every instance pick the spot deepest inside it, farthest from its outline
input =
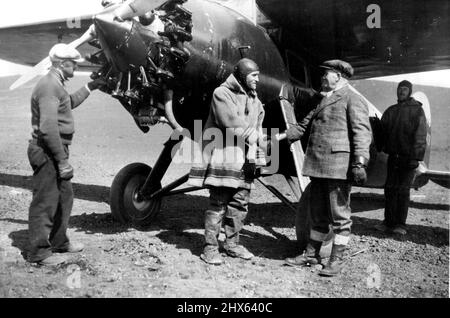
(235, 119)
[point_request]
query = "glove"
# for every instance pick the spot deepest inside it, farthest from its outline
(97, 83)
(251, 171)
(359, 174)
(65, 170)
(413, 164)
(293, 134)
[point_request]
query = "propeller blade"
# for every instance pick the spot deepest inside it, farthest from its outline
(45, 64)
(36, 70)
(134, 8)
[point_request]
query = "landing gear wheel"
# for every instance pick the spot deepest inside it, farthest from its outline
(126, 206)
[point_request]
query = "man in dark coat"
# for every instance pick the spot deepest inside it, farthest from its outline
(337, 154)
(48, 154)
(404, 139)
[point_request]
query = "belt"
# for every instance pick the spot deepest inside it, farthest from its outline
(68, 137)
(38, 142)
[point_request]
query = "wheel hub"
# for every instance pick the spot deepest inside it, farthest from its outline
(139, 202)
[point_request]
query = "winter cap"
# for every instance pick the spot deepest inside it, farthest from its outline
(405, 83)
(244, 67)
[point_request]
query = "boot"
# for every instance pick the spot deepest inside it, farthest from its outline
(335, 262)
(239, 251)
(211, 255)
(311, 256)
(52, 260)
(234, 249)
(71, 248)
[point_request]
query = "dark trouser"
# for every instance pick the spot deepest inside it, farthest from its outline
(229, 205)
(396, 191)
(50, 208)
(330, 204)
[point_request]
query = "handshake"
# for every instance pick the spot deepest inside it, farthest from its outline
(65, 170)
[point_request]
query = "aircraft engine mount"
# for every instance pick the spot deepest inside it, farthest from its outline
(140, 63)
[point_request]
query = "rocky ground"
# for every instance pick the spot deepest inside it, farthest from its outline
(162, 260)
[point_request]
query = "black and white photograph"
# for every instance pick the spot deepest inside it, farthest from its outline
(224, 154)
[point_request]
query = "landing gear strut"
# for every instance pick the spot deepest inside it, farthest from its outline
(136, 191)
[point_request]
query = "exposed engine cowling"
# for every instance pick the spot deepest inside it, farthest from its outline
(140, 66)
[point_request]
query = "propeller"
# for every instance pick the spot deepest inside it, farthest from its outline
(36, 70)
(133, 8)
(126, 10)
(46, 62)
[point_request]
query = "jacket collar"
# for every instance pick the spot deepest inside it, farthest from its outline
(333, 98)
(340, 85)
(409, 102)
(57, 73)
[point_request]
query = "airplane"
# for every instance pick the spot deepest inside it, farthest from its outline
(163, 59)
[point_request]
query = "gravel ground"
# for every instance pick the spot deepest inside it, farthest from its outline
(162, 260)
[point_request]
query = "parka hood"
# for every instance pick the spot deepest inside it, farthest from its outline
(233, 84)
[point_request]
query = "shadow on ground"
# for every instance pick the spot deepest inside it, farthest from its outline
(419, 234)
(362, 202)
(260, 245)
(185, 212)
(88, 192)
(20, 240)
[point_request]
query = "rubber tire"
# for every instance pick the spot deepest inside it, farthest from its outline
(124, 207)
(303, 226)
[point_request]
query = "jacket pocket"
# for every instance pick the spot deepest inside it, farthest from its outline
(340, 148)
(36, 157)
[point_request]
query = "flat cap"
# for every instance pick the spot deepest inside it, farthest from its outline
(63, 51)
(340, 66)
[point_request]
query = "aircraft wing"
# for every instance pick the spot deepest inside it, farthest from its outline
(412, 35)
(28, 29)
(29, 44)
(386, 38)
